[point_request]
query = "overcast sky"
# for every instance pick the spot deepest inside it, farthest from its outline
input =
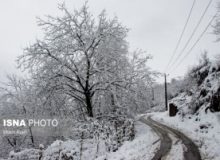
(155, 26)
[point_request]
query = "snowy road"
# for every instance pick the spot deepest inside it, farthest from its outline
(166, 134)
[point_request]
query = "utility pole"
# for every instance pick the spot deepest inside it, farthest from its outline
(165, 86)
(152, 89)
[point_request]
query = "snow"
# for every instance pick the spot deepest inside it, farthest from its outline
(176, 152)
(203, 129)
(143, 147)
(194, 104)
(60, 148)
(26, 154)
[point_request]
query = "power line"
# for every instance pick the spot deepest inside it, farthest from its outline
(196, 42)
(181, 35)
(193, 33)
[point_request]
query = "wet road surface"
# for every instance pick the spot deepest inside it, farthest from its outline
(191, 151)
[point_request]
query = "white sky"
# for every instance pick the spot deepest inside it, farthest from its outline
(155, 27)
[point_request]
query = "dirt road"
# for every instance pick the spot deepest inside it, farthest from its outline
(190, 152)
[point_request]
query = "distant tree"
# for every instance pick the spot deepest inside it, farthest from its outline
(217, 25)
(217, 61)
(18, 101)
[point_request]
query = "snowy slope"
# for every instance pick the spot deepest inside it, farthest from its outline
(143, 147)
(204, 94)
(199, 105)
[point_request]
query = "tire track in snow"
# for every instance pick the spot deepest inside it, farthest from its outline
(166, 142)
(190, 150)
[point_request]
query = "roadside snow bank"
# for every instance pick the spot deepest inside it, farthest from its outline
(143, 147)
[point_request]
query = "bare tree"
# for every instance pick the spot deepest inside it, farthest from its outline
(18, 100)
(75, 50)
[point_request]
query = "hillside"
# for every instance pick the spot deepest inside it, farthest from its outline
(198, 103)
(202, 92)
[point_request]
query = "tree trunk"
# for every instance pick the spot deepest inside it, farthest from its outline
(89, 105)
(31, 136)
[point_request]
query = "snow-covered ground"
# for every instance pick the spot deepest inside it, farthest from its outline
(143, 147)
(204, 129)
(176, 151)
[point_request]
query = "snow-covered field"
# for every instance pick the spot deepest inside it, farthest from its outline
(203, 129)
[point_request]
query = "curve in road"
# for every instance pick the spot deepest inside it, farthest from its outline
(191, 153)
(166, 142)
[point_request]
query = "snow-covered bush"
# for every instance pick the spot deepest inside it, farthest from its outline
(59, 150)
(205, 94)
(68, 150)
(26, 154)
(89, 138)
(114, 130)
(200, 72)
